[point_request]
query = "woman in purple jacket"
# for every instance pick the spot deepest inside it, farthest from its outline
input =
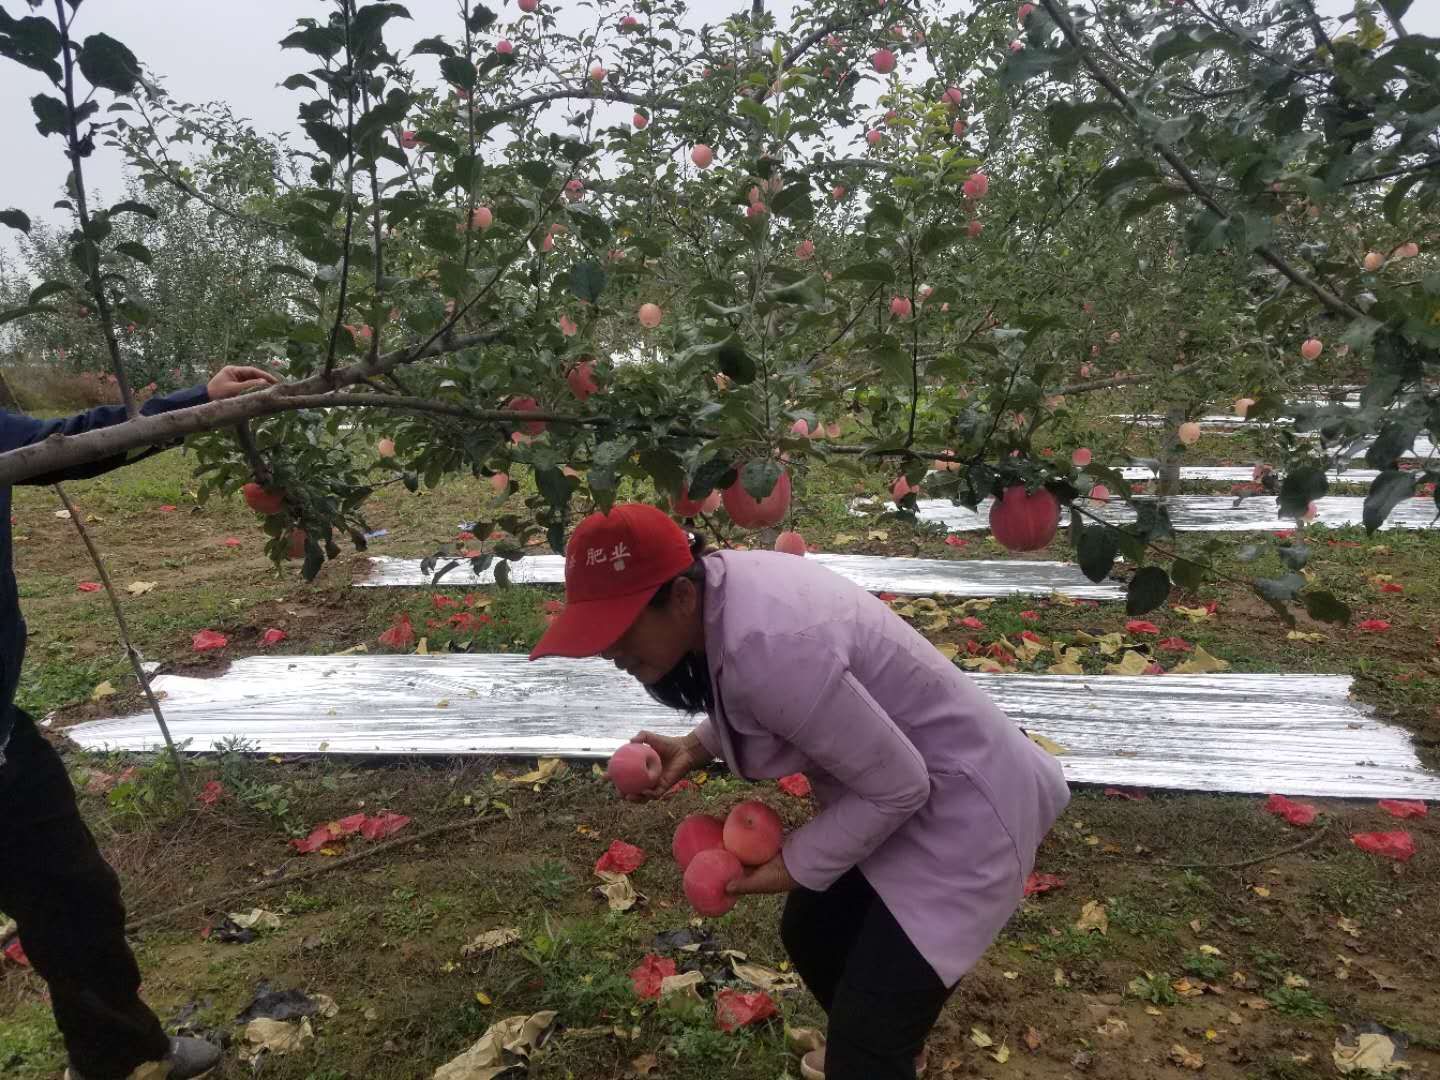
(933, 802)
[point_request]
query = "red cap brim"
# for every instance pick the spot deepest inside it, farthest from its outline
(589, 627)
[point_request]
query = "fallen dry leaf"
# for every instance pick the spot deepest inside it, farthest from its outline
(765, 978)
(1201, 663)
(1093, 917)
(1132, 663)
(980, 1039)
(1050, 746)
(804, 1040)
(1185, 1058)
(644, 1065)
(255, 919)
(1033, 1039)
(278, 1036)
(140, 588)
(1371, 1053)
(1002, 1055)
(546, 769)
(1114, 1028)
(491, 940)
(617, 891)
(104, 690)
(485, 1060)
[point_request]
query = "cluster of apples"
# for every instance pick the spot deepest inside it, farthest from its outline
(711, 853)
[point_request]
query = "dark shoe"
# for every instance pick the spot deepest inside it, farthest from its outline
(188, 1058)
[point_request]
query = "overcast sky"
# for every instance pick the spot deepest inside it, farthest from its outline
(209, 50)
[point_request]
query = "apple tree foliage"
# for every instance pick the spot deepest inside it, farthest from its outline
(1035, 203)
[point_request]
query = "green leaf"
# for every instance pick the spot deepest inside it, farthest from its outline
(16, 219)
(715, 472)
(1032, 61)
(759, 477)
(318, 41)
(371, 18)
(53, 118)
(330, 139)
(1065, 117)
(85, 256)
(437, 46)
(32, 41)
(1096, 550)
(1187, 574)
(1280, 590)
(458, 71)
(808, 292)
(874, 272)
(1395, 198)
(1386, 492)
(1205, 232)
(587, 281)
(1121, 177)
(793, 202)
(665, 470)
(1394, 440)
(734, 361)
(1324, 607)
(295, 82)
(29, 309)
(109, 64)
(49, 288)
(937, 238)
(537, 172)
(1300, 488)
(131, 206)
(137, 251)
(1149, 588)
(1294, 556)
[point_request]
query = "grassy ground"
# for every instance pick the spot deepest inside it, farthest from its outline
(1297, 947)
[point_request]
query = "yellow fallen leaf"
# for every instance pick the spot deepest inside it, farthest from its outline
(546, 769)
(1132, 663)
(1210, 950)
(1029, 650)
(1050, 746)
(1296, 982)
(483, 998)
(980, 1039)
(139, 588)
(947, 650)
(877, 534)
(982, 663)
(104, 690)
(1260, 891)
(1011, 975)
(422, 647)
(1110, 644)
(1194, 614)
(1093, 917)
(1301, 635)
(1200, 663)
(1060, 978)
(938, 621)
(977, 605)
(844, 538)
(1151, 1010)
(1002, 1055)
(1349, 926)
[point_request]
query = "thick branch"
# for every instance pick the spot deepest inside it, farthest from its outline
(1062, 19)
(61, 452)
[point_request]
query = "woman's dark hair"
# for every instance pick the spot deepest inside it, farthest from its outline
(687, 685)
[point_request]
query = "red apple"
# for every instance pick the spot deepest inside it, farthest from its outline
(705, 880)
(296, 550)
(528, 404)
(753, 833)
(685, 506)
(697, 833)
(385, 448)
(702, 155)
(634, 768)
(790, 543)
(751, 513)
(263, 500)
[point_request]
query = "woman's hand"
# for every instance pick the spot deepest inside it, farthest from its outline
(232, 380)
(773, 877)
(677, 758)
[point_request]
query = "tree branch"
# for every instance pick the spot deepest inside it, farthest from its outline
(1120, 380)
(133, 654)
(1062, 19)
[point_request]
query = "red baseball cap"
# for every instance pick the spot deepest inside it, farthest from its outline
(614, 564)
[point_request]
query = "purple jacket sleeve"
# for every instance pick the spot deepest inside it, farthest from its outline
(820, 708)
(17, 430)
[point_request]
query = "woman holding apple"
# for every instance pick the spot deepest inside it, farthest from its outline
(932, 801)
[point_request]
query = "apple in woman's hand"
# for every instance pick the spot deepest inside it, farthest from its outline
(634, 768)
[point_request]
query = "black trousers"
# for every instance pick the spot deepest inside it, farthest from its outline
(65, 899)
(882, 997)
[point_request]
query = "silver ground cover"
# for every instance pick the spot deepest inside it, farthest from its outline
(1293, 734)
(911, 577)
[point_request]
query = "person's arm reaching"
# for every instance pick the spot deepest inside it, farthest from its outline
(823, 711)
(17, 430)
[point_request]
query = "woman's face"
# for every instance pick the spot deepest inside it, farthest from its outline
(661, 636)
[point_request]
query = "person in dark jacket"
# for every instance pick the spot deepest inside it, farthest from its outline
(54, 882)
